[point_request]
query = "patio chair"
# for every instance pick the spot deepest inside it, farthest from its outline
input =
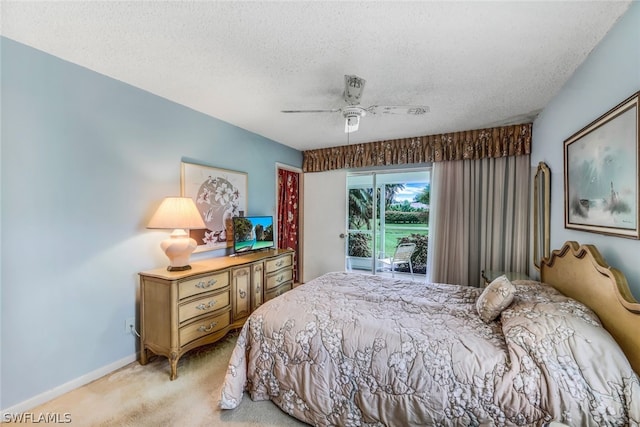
(402, 255)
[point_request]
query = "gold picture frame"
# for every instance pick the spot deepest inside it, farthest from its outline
(219, 195)
(601, 173)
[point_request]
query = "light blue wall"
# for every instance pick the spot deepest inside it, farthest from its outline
(85, 160)
(610, 74)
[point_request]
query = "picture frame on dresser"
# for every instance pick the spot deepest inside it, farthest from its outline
(219, 194)
(601, 181)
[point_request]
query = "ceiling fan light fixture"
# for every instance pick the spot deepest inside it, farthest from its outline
(351, 123)
(352, 118)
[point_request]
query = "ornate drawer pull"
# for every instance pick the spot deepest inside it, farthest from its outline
(204, 306)
(207, 328)
(280, 278)
(203, 285)
(257, 288)
(242, 293)
(279, 263)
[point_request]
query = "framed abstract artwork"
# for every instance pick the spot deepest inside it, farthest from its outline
(219, 194)
(601, 173)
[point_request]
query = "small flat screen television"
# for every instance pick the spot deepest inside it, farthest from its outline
(252, 233)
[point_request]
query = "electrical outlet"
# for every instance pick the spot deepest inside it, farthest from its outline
(130, 325)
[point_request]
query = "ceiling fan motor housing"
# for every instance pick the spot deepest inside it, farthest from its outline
(353, 87)
(354, 111)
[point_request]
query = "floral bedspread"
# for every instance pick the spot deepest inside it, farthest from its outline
(359, 350)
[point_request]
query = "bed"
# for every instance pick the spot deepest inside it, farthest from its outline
(359, 350)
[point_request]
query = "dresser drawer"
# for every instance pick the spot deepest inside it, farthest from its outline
(204, 327)
(278, 263)
(279, 278)
(276, 292)
(203, 306)
(203, 284)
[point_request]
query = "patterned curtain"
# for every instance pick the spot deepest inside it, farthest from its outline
(513, 140)
(288, 220)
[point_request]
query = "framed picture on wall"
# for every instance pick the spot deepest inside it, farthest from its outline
(601, 173)
(219, 194)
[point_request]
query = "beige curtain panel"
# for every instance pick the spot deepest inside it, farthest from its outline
(513, 140)
(479, 218)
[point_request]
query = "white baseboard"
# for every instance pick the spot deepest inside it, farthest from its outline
(67, 387)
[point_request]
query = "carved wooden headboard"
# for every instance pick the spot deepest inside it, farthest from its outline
(580, 272)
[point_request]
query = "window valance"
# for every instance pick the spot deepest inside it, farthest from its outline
(512, 140)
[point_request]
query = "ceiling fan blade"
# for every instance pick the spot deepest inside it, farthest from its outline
(415, 110)
(335, 110)
(353, 88)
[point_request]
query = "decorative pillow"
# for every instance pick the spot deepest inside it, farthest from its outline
(496, 297)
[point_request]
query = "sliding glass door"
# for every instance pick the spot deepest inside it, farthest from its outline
(397, 211)
(361, 230)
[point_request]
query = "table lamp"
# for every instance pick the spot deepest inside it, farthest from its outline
(179, 214)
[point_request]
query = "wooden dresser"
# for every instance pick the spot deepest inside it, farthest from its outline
(182, 310)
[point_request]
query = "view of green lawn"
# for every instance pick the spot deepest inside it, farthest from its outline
(393, 232)
(360, 248)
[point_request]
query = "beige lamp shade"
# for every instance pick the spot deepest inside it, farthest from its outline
(179, 214)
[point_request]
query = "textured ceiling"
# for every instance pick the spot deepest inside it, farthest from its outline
(475, 64)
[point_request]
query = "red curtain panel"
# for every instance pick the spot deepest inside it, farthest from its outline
(288, 220)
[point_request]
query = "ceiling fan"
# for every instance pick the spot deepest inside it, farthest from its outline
(353, 88)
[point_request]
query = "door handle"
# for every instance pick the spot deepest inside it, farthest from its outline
(342, 236)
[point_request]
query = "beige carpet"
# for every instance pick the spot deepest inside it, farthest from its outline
(139, 395)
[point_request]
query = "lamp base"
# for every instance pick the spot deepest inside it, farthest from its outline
(180, 268)
(178, 247)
